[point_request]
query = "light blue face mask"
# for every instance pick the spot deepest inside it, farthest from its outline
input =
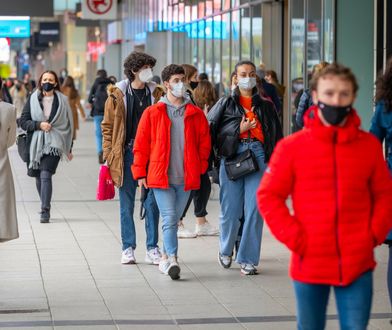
(247, 83)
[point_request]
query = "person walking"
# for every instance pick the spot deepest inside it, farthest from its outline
(18, 94)
(171, 149)
(8, 216)
(97, 98)
(47, 118)
(242, 123)
(342, 204)
(69, 90)
(201, 196)
(381, 127)
(127, 101)
(306, 101)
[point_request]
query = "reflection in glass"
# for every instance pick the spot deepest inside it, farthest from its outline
(235, 35)
(245, 34)
(328, 19)
(257, 32)
(226, 65)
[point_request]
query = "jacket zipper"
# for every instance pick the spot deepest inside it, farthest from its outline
(337, 210)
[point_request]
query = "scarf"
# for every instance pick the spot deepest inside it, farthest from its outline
(58, 140)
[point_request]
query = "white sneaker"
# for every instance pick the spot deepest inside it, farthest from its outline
(174, 269)
(153, 256)
(128, 256)
(248, 269)
(164, 266)
(206, 229)
(183, 232)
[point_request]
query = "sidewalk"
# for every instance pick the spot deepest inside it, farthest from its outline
(67, 274)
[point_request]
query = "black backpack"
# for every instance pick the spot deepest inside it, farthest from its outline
(100, 97)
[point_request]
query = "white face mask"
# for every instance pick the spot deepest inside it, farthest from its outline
(178, 90)
(145, 75)
(247, 83)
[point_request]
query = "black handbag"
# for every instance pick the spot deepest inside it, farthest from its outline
(22, 143)
(240, 165)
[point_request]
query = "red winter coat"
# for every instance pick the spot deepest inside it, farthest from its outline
(341, 192)
(152, 146)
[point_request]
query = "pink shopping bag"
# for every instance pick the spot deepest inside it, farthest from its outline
(105, 188)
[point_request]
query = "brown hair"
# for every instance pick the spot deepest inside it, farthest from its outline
(190, 70)
(335, 69)
(384, 87)
(204, 94)
(56, 88)
(68, 88)
(273, 75)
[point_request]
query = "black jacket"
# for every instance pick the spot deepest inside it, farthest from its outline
(225, 118)
(98, 96)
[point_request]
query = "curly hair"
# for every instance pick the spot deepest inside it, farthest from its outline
(384, 87)
(135, 61)
(204, 94)
(170, 70)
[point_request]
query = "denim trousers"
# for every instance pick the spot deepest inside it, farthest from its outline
(353, 303)
(127, 193)
(98, 132)
(171, 203)
(238, 200)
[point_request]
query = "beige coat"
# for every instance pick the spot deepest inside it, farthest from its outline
(8, 219)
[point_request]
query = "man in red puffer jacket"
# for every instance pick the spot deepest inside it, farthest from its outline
(341, 192)
(171, 149)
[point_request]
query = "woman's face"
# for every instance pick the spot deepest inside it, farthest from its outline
(268, 78)
(48, 78)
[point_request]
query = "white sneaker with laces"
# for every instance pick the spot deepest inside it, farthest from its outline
(248, 269)
(164, 266)
(153, 256)
(128, 256)
(206, 229)
(183, 232)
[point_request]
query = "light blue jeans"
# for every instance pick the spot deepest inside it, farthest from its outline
(171, 203)
(238, 199)
(127, 193)
(353, 303)
(98, 132)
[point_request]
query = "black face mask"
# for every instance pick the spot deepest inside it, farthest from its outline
(332, 114)
(47, 87)
(193, 84)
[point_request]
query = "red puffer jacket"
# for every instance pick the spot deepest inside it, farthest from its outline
(341, 192)
(152, 146)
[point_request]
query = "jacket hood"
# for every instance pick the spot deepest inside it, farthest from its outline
(174, 109)
(349, 131)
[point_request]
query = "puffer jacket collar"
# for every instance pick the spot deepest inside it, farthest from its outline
(339, 134)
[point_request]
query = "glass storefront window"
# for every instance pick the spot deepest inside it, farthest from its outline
(209, 37)
(226, 63)
(209, 7)
(201, 46)
(218, 37)
(235, 37)
(226, 4)
(245, 34)
(314, 42)
(329, 36)
(201, 9)
(257, 33)
(217, 6)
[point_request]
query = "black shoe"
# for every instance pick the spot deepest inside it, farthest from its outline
(225, 261)
(45, 216)
(100, 158)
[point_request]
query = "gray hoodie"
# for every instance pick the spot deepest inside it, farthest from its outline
(177, 140)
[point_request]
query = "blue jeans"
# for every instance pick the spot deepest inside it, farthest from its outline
(127, 194)
(353, 303)
(171, 203)
(98, 132)
(238, 199)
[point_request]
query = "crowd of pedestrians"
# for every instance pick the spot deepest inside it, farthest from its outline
(174, 134)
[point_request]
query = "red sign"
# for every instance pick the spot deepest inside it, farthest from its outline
(99, 7)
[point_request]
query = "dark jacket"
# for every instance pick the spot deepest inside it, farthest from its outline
(305, 102)
(30, 125)
(98, 96)
(270, 91)
(225, 118)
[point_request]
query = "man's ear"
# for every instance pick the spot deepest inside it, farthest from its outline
(314, 97)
